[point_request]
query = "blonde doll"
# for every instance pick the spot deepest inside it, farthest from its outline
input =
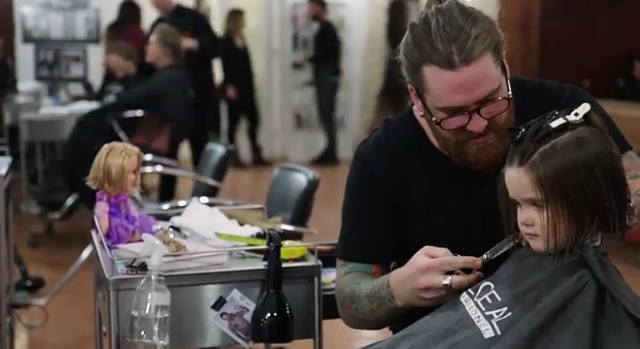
(115, 174)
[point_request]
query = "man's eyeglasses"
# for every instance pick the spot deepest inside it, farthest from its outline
(487, 111)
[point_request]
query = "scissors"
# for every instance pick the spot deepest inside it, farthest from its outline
(495, 252)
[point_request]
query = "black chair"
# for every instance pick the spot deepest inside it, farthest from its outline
(215, 165)
(207, 178)
(291, 195)
(136, 115)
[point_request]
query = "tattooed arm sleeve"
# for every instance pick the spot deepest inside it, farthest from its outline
(631, 163)
(364, 296)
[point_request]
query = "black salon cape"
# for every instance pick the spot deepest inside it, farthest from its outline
(535, 302)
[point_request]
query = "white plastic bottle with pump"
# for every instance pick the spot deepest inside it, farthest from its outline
(149, 317)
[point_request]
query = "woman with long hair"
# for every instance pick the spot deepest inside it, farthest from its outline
(127, 26)
(238, 88)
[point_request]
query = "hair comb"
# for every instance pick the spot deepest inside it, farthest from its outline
(540, 128)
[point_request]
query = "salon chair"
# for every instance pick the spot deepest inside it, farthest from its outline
(290, 196)
(130, 120)
(207, 179)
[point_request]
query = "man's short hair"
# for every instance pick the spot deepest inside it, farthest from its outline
(449, 35)
(170, 39)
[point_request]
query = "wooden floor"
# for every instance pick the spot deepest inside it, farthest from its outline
(70, 323)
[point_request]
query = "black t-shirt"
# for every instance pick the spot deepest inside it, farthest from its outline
(113, 86)
(402, 193)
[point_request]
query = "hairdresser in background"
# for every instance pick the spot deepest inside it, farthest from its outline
(326, 76)
(238, 86)
(200, 47)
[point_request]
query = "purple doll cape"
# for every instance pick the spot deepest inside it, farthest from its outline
(124, 219)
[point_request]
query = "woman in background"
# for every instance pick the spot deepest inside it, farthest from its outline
(125, 34)
(238, 88)
(127, 26)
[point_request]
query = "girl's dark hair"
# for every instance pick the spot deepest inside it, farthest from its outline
(129, 13)
(578, 170)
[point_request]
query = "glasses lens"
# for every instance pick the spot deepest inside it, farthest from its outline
(455, 122)
(494, 108)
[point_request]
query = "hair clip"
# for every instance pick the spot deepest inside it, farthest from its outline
(538, 129)
(575, 117)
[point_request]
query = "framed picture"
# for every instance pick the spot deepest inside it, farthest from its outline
(60, 63)
(43, 25)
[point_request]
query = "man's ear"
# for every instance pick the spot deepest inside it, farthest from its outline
(506, 64)
(414, 94)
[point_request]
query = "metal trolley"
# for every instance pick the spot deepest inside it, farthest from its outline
(193, 292)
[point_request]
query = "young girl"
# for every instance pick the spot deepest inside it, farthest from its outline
(115, 174)
(564, 183)
(564, 186)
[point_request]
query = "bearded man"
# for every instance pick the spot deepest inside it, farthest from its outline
(421, 199)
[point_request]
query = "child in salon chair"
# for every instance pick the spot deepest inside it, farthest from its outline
(115, 174)
(564, 183)
(563, 187)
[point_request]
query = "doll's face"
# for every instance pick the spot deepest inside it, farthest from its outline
(132, 173)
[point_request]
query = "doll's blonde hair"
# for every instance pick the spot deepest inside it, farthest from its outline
(109, 169)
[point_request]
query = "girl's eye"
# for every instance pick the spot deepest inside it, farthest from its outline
(538, 204)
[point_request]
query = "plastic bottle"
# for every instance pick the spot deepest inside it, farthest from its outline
(149, 317)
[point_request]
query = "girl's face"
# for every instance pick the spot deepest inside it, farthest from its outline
(531, 210)
(132, 174)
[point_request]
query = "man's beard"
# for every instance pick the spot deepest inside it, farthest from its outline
(485, 157)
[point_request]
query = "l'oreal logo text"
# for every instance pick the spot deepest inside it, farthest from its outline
(485, 303)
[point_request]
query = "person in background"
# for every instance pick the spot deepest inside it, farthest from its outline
(200, 46)
(166, 97)
(238, 85)
(628, 87)
(121, 61)
(326, 75)
(124, 38)
(128, 25)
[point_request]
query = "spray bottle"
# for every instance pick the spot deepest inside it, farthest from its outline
(150, 306)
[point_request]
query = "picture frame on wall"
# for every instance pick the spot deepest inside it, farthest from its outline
(45, 25)
(61, 64)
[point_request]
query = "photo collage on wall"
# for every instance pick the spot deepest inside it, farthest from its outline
(302, 31)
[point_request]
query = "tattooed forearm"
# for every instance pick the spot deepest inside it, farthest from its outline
(364, 296)
(631, 163)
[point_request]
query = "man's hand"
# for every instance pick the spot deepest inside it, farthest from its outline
(420, 281)
(371, 298)
(189, 44)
